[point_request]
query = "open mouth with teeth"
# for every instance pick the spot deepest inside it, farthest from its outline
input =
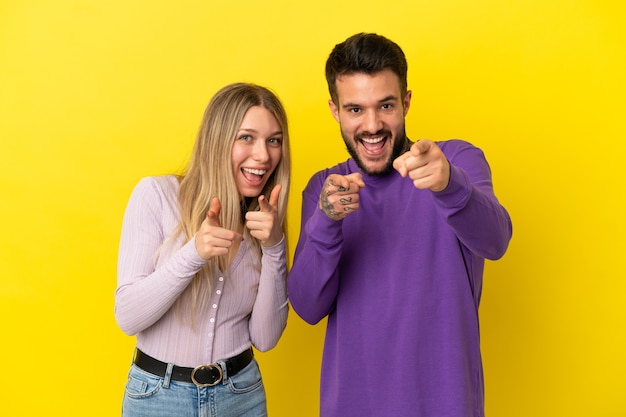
(373, 146)
(253, 176)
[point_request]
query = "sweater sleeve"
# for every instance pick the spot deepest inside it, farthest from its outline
(313, 279)
(144, 292)
(269, 314)
(469, 204)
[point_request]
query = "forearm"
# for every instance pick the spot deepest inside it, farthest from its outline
(472, 210)
(314, 279)
(269, 314)
(145, 294)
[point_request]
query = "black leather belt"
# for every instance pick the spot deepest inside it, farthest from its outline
(203, 375)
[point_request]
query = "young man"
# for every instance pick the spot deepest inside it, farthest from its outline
(392, 249)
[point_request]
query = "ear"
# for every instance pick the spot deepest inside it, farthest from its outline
(407, 102)
(334, 109)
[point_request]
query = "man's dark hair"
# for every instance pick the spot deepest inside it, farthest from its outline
(367, 53)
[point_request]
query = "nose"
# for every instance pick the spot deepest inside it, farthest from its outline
(259, 152)
(372, 122)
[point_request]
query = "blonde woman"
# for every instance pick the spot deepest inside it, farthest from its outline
(202, 265)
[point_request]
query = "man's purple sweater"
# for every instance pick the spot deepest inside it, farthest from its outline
(400, 280)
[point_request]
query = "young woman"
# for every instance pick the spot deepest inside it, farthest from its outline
(202, 265)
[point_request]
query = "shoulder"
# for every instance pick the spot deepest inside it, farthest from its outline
(458, 148)
(156, 188)
(159, 184)
(455, 145)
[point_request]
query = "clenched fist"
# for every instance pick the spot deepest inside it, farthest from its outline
(340, 195)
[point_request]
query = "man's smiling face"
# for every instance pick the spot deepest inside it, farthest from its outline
(370, 112)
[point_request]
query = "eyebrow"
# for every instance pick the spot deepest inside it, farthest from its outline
(390, 97)
(252, 130)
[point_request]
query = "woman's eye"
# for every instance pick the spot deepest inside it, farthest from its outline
(275, 141)
(245, 137)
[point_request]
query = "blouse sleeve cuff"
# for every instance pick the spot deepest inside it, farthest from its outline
(277, 249)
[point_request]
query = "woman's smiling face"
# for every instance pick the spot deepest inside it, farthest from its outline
(257, 150)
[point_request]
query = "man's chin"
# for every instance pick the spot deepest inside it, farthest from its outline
(375, 168)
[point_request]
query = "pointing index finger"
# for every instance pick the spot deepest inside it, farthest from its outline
(274, 195)
(273, 202)
(399, 164)
(421, 147)
(214, 212)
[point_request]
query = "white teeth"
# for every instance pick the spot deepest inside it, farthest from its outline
(255, 171)
(372, 140)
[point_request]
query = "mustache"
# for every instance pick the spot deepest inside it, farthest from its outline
(366, 134)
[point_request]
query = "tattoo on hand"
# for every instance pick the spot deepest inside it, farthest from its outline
(327, 207)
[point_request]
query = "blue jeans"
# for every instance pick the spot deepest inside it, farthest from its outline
(148, 395)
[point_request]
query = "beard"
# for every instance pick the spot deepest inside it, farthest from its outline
(400, 145)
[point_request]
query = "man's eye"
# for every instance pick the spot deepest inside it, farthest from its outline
(386, 106)
(355, 110)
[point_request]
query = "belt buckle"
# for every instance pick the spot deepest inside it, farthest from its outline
(209, 368)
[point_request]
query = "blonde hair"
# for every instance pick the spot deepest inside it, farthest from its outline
(209, 173)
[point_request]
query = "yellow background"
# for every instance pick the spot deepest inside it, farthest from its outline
(96, 94)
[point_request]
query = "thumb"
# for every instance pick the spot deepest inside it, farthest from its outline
(213, 215)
